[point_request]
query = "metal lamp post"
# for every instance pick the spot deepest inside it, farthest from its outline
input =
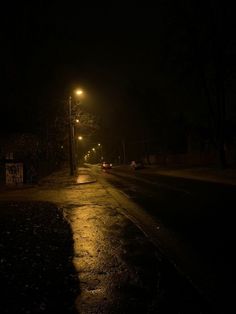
(71, 140)
(72, 136)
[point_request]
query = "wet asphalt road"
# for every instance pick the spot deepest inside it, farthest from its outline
(67, 247)
(200, 215)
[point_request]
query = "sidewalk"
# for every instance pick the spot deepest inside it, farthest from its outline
(118, 269)
(211, 174)
(62, 177)
(227, 176)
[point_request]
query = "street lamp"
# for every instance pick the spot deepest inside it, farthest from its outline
(79, 92)
(72, 135)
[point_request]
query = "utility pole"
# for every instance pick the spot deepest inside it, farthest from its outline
(73, 165)
(71, 140)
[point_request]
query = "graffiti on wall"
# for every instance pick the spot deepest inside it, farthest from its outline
(14, 173)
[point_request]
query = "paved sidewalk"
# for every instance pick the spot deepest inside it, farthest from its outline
(227, 176)
(118, 269)
(62, 177)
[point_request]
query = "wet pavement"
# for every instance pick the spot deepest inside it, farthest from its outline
(114, 266)
(209, 174)
(36, 249)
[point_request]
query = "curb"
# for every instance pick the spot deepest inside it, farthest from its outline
(86, 182)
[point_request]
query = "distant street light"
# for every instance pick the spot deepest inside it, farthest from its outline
(101, 151)
(72, 135)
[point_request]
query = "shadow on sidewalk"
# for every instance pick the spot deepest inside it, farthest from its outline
(36, 250)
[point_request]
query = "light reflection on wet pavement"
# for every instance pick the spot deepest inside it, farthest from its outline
(84, 178)
(101, 253)
(119, 269)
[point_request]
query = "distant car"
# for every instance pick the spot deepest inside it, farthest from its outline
(137, 164)
(106, 165)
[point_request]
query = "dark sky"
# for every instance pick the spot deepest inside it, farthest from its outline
(47, 51)
(132, 62)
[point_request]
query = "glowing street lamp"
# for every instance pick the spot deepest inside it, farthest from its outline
(79, 92)
(101, 153)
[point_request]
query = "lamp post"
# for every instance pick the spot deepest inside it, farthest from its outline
(71, 140)
(72, 136)
(101, 152)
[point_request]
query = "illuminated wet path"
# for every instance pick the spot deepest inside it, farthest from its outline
(118, 269)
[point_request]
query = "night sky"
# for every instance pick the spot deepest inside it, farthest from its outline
(135, 64)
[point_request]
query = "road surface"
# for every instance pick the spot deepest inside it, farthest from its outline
(191, 221)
